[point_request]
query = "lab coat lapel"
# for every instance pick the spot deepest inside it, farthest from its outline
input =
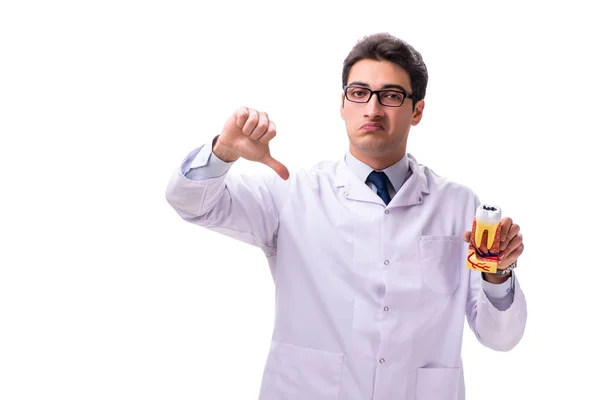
(415, 188)
(352, 187)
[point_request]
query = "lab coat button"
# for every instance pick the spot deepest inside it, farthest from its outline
(386, 308)
(387, 211)
(386, 262)
(346, 194)
(382, 360)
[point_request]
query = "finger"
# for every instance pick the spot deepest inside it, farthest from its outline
(512, 246)
(278, 167)
(512, 233)
(512, 257)
(261, 127)
(241, 115)
(250, 122)
(271, 132)
(231, 121)
(466, 236)
(505, 224)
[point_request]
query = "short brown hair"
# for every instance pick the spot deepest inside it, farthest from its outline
(385, 47)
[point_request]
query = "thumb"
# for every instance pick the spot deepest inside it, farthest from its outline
(466, 236)
(278, 167)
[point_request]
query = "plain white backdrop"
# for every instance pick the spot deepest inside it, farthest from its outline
(106, 294)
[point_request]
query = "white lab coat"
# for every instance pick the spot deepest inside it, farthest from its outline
(370, 300)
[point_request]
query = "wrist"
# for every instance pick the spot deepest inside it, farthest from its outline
(495, 279)
(224, 153)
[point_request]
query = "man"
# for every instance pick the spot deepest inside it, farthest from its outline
(365, 253)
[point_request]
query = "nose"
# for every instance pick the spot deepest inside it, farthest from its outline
(373, 108)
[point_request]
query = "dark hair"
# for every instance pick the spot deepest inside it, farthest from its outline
(385, 47)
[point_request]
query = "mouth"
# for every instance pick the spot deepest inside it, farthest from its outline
(372, 127)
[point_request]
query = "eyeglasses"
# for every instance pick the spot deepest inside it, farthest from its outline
(390, 98)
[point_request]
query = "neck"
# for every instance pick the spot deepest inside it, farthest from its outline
(377, 161)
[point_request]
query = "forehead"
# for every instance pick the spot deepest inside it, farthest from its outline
(377, 73)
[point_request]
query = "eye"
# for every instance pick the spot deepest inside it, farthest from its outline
(393, 95)
(358, 92)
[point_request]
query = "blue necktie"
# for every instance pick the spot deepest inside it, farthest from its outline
(380, 181)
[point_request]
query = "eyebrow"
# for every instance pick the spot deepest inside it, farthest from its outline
(386, 86)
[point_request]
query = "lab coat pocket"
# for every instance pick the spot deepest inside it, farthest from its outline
(439, 259)
(304, 373)
(437, 383)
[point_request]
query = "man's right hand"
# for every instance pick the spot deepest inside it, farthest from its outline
(247, 134)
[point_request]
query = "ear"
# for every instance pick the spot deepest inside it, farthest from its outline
(343, 98)
(418, 112)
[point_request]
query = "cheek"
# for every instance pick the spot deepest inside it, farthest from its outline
(401, 118)
(349, 117)
(344, 113)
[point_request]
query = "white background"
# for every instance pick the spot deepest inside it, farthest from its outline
(106, 294)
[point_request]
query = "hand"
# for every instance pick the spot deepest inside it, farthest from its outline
(511, 242)
(247, 134)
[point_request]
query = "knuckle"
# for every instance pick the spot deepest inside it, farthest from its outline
(262, 125)
(269, 136)
(242, 112)
(519, 250)
(252, 115)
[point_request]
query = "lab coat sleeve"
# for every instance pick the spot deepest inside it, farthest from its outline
(239, 206)
(500, 328)
(500, 295)
(202, 164)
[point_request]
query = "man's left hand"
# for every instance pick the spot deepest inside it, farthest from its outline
(511, 247)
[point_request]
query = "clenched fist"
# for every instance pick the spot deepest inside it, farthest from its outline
(247, 134)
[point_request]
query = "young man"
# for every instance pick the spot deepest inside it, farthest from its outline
(367, 253)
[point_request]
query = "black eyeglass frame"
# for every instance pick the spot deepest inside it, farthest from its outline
(376, 92)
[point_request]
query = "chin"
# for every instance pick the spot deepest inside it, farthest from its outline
(362, 135)
(375, 142)
(372, 145)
